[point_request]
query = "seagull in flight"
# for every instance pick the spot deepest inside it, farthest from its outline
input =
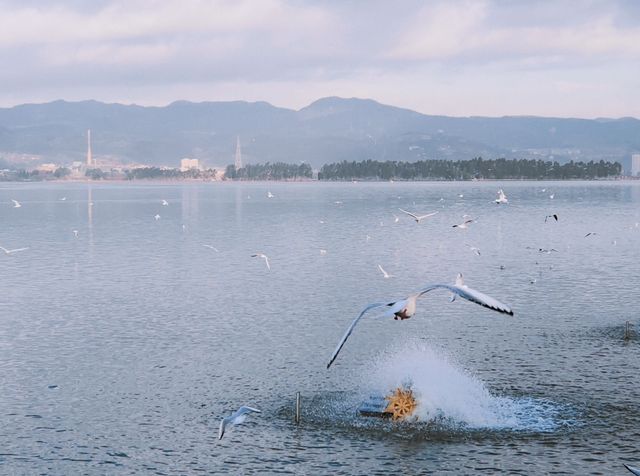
(212, 248)
(10, 252)
(264, 257)
(157, 217)
(384, 273)
(75, 233)
(417, 218)
(464, 225)
(165, 203)
(270, 195)
(502, 198)
(554, 216)
(16, 203)
(235, 419)
(474, 249)
(405, 308)
(591, 233)
(63, 199)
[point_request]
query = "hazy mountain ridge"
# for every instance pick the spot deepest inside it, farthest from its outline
(328, 130)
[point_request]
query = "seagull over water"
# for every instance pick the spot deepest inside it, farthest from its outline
(212, 248)
(473, 248)
(502, 198)
(406, 308)
(165, 203)
(16, 203)
(554, 216)
(464, 225)
(264, 257)
(10, 252)
(270, 195)
(384, 273)
(235, 419)
(417, 218)
(157, 217)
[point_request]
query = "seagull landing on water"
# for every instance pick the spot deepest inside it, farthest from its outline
(405, 308)
(384, 273)
(502, 198)
(417, 218)
(554, 216)
(16, 203)
(10, 252)
(264, 257)
(235, 419)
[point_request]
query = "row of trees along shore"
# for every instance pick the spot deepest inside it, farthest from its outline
(477, 168)
(269, 171)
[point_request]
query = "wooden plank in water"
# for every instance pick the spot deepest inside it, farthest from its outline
(375, 406)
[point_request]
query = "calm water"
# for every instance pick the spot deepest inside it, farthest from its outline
(121, 348)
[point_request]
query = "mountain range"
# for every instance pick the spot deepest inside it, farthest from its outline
(328, 130)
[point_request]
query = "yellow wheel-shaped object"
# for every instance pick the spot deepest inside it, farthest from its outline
(402, 403)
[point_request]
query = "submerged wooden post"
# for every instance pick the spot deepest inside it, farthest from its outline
(297, 407)
(627, 330)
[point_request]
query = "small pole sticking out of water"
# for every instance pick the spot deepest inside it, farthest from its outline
(297, 407)
(627, 330)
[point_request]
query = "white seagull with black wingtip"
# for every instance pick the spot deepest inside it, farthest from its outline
(264, 257)
(235, 419)
(417, 218)
(502, 198)
(405, 308)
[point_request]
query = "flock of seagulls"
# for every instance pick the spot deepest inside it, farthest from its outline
(399, 310)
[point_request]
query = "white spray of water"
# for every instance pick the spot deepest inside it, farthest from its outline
(445, 391)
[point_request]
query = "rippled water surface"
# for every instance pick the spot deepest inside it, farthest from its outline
(121, 348)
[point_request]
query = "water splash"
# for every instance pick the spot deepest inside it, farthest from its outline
(449, 395)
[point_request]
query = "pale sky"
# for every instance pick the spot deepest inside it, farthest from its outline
(578, 58)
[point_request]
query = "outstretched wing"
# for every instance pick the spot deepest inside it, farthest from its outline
(351, 327)
(633, 469)
(472, 295)
(244, 409)
(422, 217)
(223, 425)
(408, 213)
(16, 250)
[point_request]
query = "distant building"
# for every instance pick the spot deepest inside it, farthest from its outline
(189, 164)
(90, 161)
(47, 167)
(635, 165)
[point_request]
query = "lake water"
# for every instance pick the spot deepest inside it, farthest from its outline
(121, 348)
